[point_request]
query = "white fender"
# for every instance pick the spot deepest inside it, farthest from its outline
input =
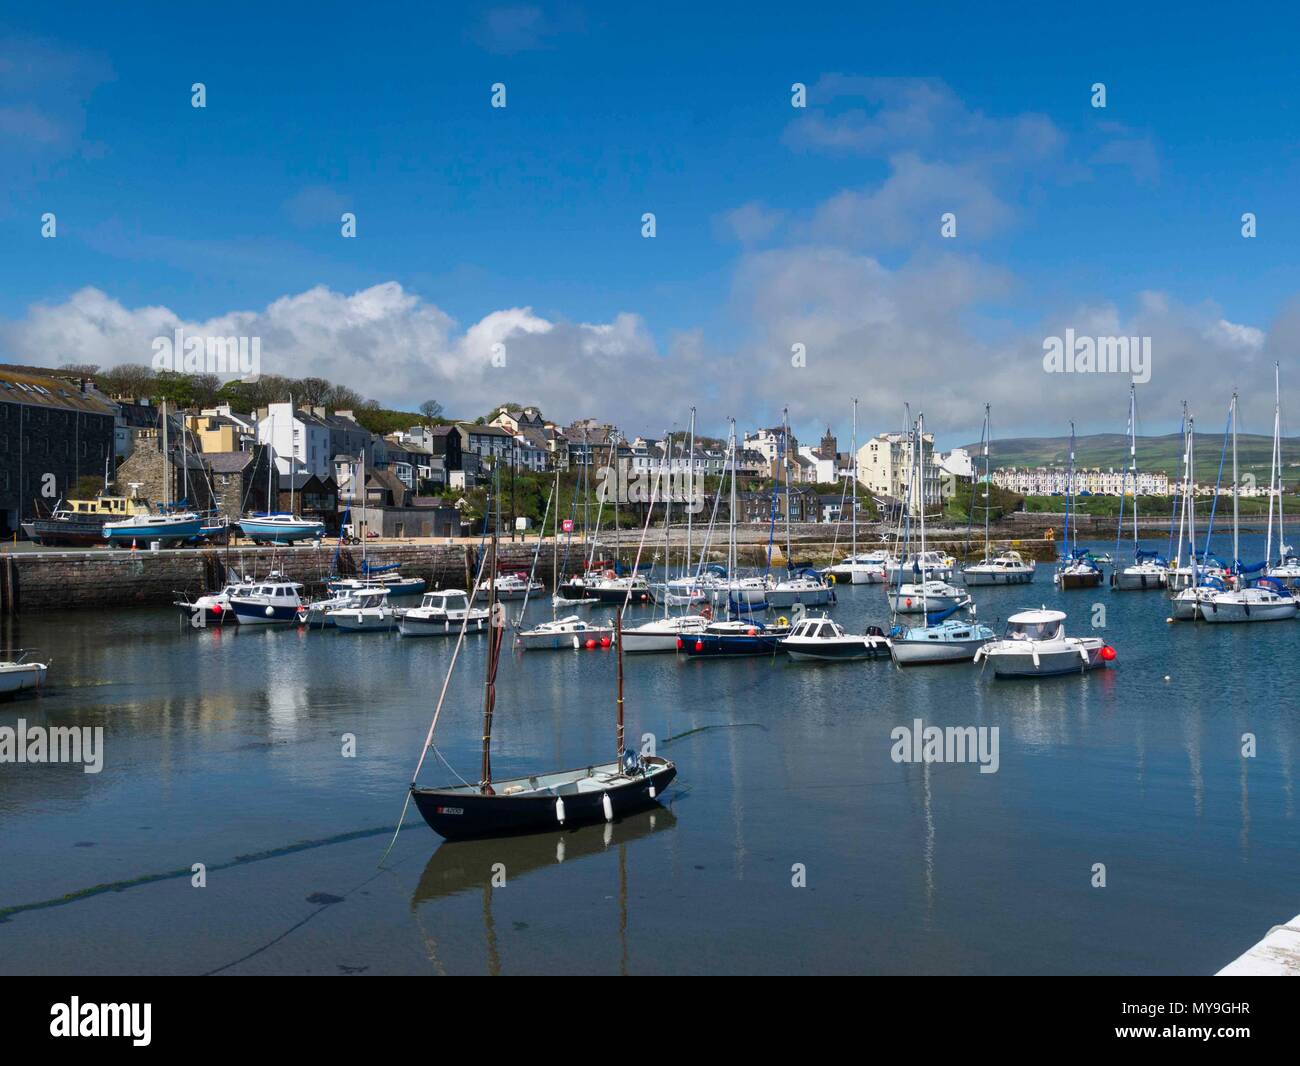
(559, 809)
(1034, 653)
(652, 792)
(609, 807)
(269, 610)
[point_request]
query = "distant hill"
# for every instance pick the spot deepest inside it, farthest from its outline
(1154, 453)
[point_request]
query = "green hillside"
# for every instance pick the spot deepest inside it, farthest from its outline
(1154, 453)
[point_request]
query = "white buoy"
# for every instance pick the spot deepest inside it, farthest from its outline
(652, 792)
(1168, 678)
(609, 807)
(269, 610)
(559, 809)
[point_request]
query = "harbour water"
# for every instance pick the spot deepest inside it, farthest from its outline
(225, 747)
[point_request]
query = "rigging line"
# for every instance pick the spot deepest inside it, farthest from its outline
(442, 697)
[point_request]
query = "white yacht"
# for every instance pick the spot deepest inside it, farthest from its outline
(571, 632)
(864, 568)
(442, 613)
(1150, 571)
(1266, 601)
(926, 597)
(664, 634)
(1005, 568)
(1035, 645)
(510, 587)
(923, 566)
(806, 587)
(368, 612)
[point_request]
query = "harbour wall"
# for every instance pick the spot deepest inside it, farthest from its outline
(108, 578)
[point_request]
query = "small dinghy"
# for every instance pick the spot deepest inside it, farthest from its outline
(823, 640)
(19, 675)
(1035, 645)
(600, 792)
(442, 613)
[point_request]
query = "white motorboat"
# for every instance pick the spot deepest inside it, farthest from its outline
(571, 632)
(1035, 645)
(926, 597)
(509, 587)
(806, 587)
(368, 612)
(1266, 601)
(1005, 568)
(442, 613)
(923, 566)
(316, 614)
(664, 634)
(823, 640)
(275, 600)
(20, 675)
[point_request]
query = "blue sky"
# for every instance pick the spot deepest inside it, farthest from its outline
(772, 222)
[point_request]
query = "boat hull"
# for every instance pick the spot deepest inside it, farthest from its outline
(1050, 663)
(276, 533)
(1080, 581)
(353, 622)
(779, 599)
(80, 533)
(170, 533)
(562, 641)
(439, 627)
(724, 646)
(20, 677)
(255, 614)
(918, 652)
(466, 814)
(1213, 611)
(835, 651)
(660, 641)
(1126, 582)
(996, 577)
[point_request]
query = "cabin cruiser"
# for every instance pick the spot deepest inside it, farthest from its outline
(275, 600)
(1035, 645)
(214, 607)
(611, 589)
(865, 568)
(925, 565)
(943, 640)
(806, 587)
(1078, 570)
(167, 529)
(368, 612)
(571, 632)
(442, 613)
(509, 587)
(1268, 600)
(926, 597)
(397, 585)
(1005, 568)
(665, 634)
(19, 675)
(823, 640)
(281, 527)
(1149, 571)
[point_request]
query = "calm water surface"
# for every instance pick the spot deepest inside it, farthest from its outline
(224, 747)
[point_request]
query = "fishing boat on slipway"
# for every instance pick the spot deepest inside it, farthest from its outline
(597, 792)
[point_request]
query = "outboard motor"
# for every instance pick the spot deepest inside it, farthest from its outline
(631, 762)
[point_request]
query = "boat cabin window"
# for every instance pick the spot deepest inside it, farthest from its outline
(1033, 630)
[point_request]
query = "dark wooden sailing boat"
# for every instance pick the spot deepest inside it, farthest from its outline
(539, 802)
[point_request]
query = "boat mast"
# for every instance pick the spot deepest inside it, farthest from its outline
(1133, 459)
(1069, 493)
(690, 497)
(853, 507)
(1274, 469)
(495, 632)
(785, 469)
(988, 478)
(167, 463)
(555, 546)
(618, 646)
(731, 541)
(668, 525)
(1236, 547)
(1190, 501)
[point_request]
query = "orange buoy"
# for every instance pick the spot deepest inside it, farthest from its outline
(1107, 653)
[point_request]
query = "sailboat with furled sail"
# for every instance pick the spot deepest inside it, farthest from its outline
(1149, 570)
(1078, 569)
(590, 794)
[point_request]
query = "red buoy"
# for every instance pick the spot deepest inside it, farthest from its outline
(679, 643)
(1108, 653)
(216, 608)
(699, 645)
(590, 642)
(604, 642)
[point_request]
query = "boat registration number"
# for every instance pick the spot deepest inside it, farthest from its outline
(451, 810)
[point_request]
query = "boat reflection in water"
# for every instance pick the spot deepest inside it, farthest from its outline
(463, 866)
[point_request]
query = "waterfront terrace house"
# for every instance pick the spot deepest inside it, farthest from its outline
(311, 497)
(52, 433)
(311, 436)
(491, 444)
